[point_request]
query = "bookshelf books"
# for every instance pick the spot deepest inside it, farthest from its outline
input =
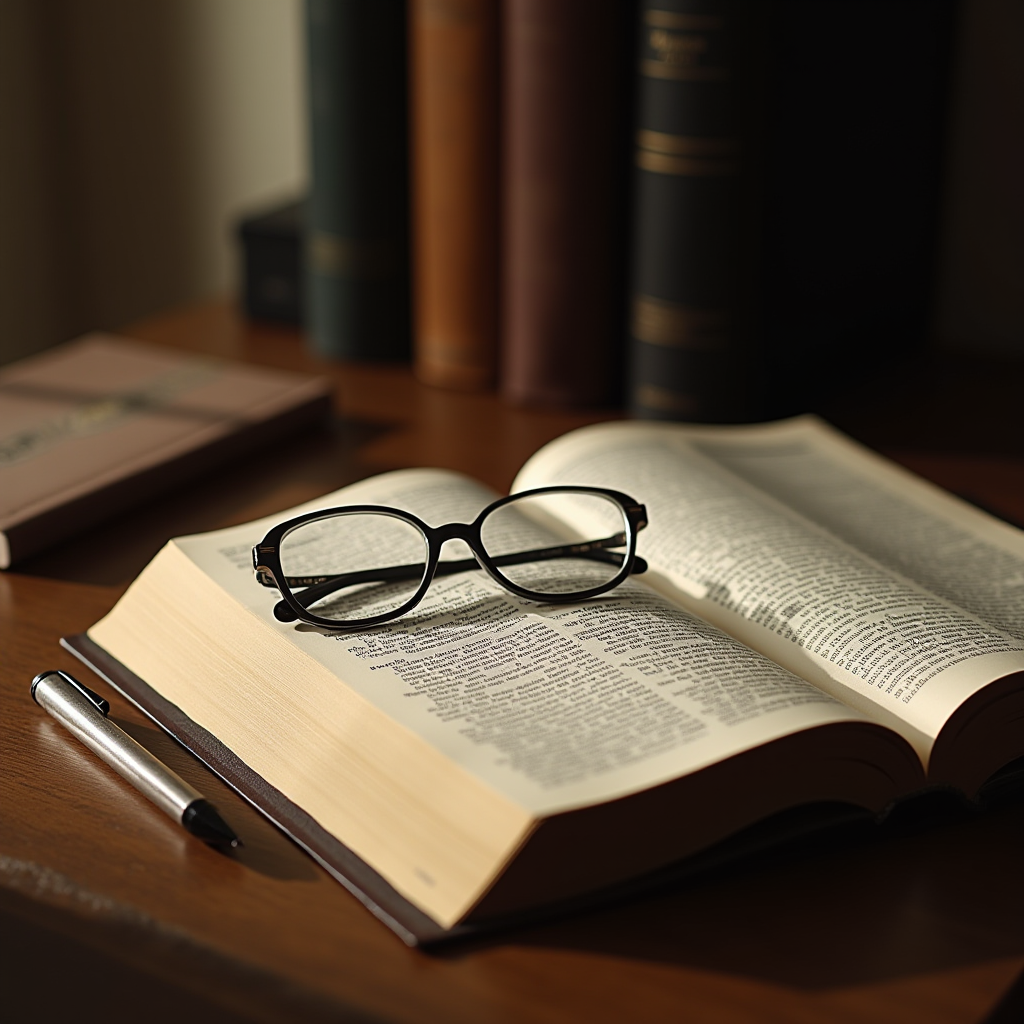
(272, 263)
(696, 178)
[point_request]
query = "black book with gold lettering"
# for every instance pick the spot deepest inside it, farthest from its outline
(786, 184)
(696, 179)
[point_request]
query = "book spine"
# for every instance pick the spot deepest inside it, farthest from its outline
(561, 139)
(454, 113)
(356, 240)
(694, 252)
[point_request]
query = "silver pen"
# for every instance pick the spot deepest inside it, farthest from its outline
(84, 714)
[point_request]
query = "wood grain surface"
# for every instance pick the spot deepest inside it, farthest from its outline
(109, 912)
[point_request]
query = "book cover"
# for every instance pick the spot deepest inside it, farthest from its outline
(565, 100)
(694, 273)
(94, 426)
(454, 108)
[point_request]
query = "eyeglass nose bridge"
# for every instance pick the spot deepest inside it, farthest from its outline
(456, 531)
(468, 533)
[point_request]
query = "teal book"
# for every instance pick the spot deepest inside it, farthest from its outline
(356, 242)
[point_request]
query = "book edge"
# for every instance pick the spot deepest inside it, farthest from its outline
(68, 514)
(402, 917)
(409, 923)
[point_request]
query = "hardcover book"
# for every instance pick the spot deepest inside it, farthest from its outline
(94, 426)
(454, 108)
(771, 248)
(357, 232)
(564, 106)
(816, 629)
(696, 178)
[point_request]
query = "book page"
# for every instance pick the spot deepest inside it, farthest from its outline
(554, 706)
(798, 570)
(915, 528)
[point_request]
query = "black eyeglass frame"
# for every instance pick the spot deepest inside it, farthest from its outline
(266, 558)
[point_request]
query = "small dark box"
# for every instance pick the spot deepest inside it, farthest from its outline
(273, 263)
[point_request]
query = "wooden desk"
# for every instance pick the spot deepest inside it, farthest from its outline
(102, 896)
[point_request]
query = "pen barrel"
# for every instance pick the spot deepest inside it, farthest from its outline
(114, 746)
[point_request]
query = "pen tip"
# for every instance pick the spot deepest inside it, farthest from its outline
(203, 821)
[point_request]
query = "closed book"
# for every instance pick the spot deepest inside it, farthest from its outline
(94, 426)
(357, 290)
(563, 100)
(773, 250)
(695, 241)
(454, 114)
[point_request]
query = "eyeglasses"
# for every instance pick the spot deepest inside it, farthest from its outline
(361, 565)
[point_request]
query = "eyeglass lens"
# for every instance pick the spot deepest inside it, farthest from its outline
(380, 559)
(527, 540)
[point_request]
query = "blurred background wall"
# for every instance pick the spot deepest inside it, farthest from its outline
(132, 134)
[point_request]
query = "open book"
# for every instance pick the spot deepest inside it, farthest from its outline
(817, 625)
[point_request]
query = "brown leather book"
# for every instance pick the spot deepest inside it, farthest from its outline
(94, 426)
(562, 154)
(454, 110)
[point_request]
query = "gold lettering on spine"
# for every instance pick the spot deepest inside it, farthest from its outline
(658, 163)
(657, 69)
(686, 145)
(648, 396)
(680, 48)
(676, 48)
(691, 22)
(663, 153)
(659, 322)
(334, 256)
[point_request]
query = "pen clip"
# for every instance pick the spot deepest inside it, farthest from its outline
(101, 705)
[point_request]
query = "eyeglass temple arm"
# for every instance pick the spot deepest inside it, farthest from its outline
(592, 550)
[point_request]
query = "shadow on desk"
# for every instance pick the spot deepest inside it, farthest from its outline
(267, 851)
(817, 919)
(831, 912)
